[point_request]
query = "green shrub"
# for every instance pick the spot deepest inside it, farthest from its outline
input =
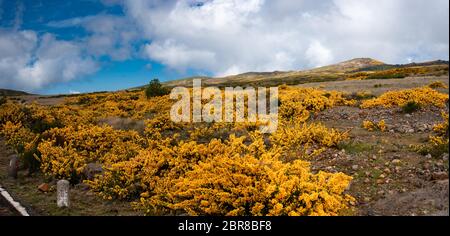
(387, 76)
(155, 89)
(410, 107)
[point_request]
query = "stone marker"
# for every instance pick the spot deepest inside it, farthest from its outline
(13, 167)
(62, 189)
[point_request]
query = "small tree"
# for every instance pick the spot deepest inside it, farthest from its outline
(155, 88)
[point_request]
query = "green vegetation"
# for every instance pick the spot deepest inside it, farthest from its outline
(155, 89)
(2, 100)
(354, 147)
(360, 96)
(410, 107)
(387, 76)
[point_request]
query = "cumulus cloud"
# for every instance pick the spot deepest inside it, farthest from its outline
(108, 35)
(29, 61)
(230, 36)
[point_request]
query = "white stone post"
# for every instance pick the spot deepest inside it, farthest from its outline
(62, 189)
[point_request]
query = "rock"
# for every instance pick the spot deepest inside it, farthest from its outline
(396, 161)
(367, 173)
(391, 131)
(374, 157)
(408, 115)
(410, 131)
(382, 176)
(355, 167)
(428, 156)
(366, 180)
(439, 175)
(445, 157)
(13, 167)
(91, 170)
(44, 187)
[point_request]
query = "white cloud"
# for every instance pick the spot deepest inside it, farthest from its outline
(29, 61)
(178, 56)
(108, 35)
(318, 55)
(237, 36)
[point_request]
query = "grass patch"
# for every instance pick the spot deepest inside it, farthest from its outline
(352, 147)
(360, 96)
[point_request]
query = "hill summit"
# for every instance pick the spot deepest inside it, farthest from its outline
(350, 65)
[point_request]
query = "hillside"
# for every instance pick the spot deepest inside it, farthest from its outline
(357, 141)
(10, 92)
(340, 71)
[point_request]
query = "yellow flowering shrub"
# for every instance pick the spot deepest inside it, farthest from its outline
(90, 144)
(437, 84)
(17, 135)
(372, 126)
(442, 128)
(240, 179)
(437, 144)
(296, 134)
(423, 96)
(297, 103)
(194, 168)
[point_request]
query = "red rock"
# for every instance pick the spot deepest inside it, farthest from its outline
(44, 187)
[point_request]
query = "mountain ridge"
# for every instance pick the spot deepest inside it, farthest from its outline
(319, 74)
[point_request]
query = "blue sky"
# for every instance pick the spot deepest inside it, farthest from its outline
(37, 15)
(53, 46)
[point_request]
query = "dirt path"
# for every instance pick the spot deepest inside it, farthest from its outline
(378, 86)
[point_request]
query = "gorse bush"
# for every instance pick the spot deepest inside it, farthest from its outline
(438, 144)
(437, 84)
(372, 126)
(423, 96)
(155, 88)
(175, 168)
